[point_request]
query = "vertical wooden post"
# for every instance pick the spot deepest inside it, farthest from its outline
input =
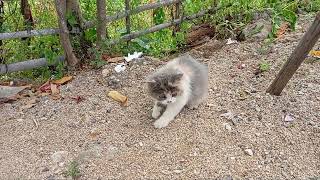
(64, 33)
(74, 7)
(128, 23)
(308, 40)
(27, 16)
(177, 15)
(102, 24)
(1, 23)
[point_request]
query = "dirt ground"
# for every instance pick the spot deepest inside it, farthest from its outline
(239, 132)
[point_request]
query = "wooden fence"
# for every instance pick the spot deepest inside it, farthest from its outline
(100, 23)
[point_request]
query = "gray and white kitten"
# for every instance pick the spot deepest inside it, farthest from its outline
(181, 82)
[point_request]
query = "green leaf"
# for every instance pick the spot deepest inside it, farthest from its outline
(71, 18)
(290, 17)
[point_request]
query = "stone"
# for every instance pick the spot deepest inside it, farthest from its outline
(105, 72)
(248, 152)
(59, 156)
(227, 126)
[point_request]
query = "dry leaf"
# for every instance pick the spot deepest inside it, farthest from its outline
(94, 134)
(315, 53)
(119, 97)
(78, 98)
(105, 57)
(55, 92)
(45, 87)
(32, 102)
(115, 59)
(62, 80)
(54, 89)
(282, 30)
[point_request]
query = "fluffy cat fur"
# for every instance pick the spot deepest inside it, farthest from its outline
(181, 82)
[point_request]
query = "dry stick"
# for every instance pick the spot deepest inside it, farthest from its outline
(88, 24)
(139, 9)
(102, 24)
(64, 33)
(308, 40)
(133, 35)
(26, 65)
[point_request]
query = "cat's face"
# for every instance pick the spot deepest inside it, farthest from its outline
(165, 88)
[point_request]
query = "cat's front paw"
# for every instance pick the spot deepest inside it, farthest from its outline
(160, 123)
(155, 114)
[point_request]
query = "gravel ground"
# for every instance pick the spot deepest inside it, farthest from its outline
(239, 132)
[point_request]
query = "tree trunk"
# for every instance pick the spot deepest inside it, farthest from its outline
(102, 23)
(27, 16)
(1, 22)
(64, 33)
(308, 40)
(176, 15)
(74, 7)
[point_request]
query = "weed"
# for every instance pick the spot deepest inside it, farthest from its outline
(73, 170)
(264, 66)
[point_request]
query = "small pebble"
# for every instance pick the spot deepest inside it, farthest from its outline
(227, 127)
(177, 171)
(45, 169)
(311, 123)
(105, 72)
(248, 152)
(140, 144)
(210, 105)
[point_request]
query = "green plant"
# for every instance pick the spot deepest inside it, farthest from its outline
(264, 66)
(73, 170)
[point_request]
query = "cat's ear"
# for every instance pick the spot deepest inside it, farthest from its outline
(177, 76)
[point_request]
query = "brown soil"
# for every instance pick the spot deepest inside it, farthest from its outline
(113, 142)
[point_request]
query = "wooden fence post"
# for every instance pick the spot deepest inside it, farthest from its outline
(128, 23)
(27, 16)
(64, 33)
(102, 23)
(1, 23)
(308, 40)
(177, 14)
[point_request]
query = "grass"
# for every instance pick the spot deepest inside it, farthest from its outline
(229, 21)
(73, 170)
(264, 66)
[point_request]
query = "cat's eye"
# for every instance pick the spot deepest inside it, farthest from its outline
(162, 96)
(174, 94)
